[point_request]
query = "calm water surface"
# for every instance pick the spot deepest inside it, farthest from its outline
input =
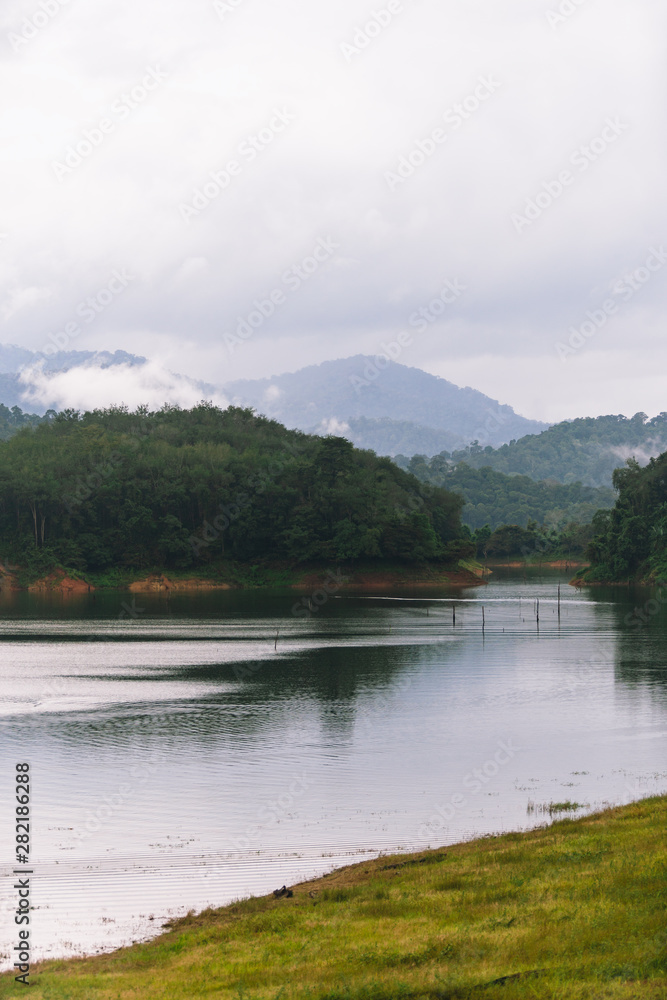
(190, 751)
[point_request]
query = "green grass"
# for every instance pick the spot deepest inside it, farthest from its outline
(571, 911)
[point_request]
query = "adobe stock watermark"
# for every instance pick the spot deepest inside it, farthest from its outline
(92, 482)
(130, 611)
(35, 23)
(60, 685)
(225, 7)
(473, 782)
(88, 310)
(292, 279)
(247, 151)
(624, 289)
(455, 116)
(495, 421)
(309, 606)
(420, 320)
(366, 33)
(121, 109)
(600, 663)
(122, 797)
(230, 512)
(639, 618)
(273, 812)
(582, 158)
(86, 486)
(414, 505)
(369, 715)
(564, 11)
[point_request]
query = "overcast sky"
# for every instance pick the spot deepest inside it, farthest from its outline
(402, 141)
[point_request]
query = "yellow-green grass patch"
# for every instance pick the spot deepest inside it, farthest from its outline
(574, 910)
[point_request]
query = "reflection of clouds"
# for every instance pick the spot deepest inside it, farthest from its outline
(388, 712)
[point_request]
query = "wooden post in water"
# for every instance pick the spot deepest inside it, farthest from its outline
(559, 602)
(275, 645)
(538, 611)
(483, 619)
(453, 614)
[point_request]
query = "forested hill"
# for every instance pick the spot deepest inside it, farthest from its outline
(382, 405)
(187, 488)
(585, 450)
(495, 499)
(630, 541)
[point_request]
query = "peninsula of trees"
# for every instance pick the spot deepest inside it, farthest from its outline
(630, 541)
(187, 489)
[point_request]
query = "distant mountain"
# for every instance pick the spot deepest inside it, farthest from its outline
(398, 437)
(396, 409)
(586, 450)
(13, 359)
(15, 391)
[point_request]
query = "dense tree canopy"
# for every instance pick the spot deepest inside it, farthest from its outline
(631, 540)
(494, 498)
(586, 450)
(186, 488)
(12, 420)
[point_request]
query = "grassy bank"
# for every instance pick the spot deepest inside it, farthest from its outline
(576, 910)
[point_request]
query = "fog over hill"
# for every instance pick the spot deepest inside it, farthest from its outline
(392, 409)
(85, 380)
(585, 450)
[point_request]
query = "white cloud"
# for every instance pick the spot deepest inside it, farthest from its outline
(20, 298)
(333, 426)
(92, 387)
(190, 267)
(325, 175)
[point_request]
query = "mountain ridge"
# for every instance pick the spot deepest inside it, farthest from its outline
(333, 394)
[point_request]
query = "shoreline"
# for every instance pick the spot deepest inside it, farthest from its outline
(567, 564)
(59, 581)
(486, 910)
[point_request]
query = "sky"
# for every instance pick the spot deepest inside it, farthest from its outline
(238, 189)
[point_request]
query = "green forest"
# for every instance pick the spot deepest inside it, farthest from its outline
(189, 488)
(533, 544)
(495, 499)
(12, 420)
(586, 450)
(630, 541)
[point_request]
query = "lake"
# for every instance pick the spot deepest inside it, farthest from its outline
(188, 751)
